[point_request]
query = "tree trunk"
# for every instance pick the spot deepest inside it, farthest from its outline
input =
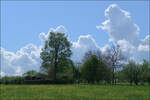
(54, 78)
(113, 81)
(113, 77)
(55, 64)
(130, 82)
(136, 82)
(55, 68)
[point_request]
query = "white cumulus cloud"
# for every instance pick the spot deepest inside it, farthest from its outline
(60, 29)
(119, 25)
(27, 58)
(84, 44)
(122, 30)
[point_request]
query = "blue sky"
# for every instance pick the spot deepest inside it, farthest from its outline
(21, 22)
(90, 26)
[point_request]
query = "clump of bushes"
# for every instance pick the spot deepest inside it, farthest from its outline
(12, 80)
(33, 77)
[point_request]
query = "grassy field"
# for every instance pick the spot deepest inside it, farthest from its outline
(74, 92)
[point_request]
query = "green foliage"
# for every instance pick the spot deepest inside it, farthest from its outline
(31, 73)
(77, 74)
(121, 77)
(55, 54)
(12, 80)
(94, 70)
(66, 71)
(133, 72)
(148, 76)
(144, 71)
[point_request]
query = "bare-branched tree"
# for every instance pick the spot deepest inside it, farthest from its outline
(114, 59)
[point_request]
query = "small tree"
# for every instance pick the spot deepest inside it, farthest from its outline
(144, 71)
(88, 54)
(55, 53)
(93, 70)
(132, 72)
(148, 78)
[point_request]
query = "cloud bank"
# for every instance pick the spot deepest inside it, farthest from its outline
(119, 26)
(122, 30)
(84, 44)
(27, 58)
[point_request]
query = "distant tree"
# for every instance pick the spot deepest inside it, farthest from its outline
(30, 73)
(129, 70)
(120, 76)
(89, 53)
(114, 59)
(132, 72)
(55, 53)
(94, 70)
(148, 78)
(77, 72)
(144, 71)
(12, 80)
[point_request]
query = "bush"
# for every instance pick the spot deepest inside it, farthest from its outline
(48, 81)
(12, 80)
(32, 80)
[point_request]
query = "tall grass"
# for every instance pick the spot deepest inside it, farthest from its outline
(74, 92)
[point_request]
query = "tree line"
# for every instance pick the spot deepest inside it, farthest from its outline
(95, 67)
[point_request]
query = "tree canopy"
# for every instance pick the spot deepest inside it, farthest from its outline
(55, 53)
(94, 70)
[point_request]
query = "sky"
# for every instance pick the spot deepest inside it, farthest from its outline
(88, 25)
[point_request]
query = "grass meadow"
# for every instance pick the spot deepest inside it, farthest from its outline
(74, 92)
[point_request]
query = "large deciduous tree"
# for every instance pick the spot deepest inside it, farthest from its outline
(55, 53)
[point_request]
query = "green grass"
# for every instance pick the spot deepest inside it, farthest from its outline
(74, 92)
